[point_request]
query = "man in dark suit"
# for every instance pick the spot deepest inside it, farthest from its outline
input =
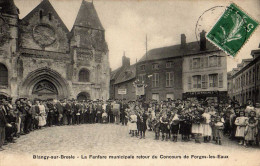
(3, 124)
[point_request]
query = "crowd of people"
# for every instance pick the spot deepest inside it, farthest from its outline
(198, 120)
(169, 120)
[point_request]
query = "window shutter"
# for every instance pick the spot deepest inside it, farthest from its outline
(205, 61)
(220, 78)
(203, 81)
(219, 61)
(201, 63)
(206, 81)
(189, 82)
(190, 63)
(172, 79)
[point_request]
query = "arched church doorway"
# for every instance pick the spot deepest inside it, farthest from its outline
(83, 96)
(44, 83)
(45, 90)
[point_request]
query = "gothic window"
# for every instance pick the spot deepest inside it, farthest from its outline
(41, 14)
(84, 75)
(50, 17)
(3, 75)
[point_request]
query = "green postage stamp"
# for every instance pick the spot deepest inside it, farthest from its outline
(232, 30)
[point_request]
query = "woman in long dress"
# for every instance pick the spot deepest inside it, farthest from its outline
(132, 125)
(206, 128)
(42, 115)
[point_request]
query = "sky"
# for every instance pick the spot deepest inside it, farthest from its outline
(128, 22)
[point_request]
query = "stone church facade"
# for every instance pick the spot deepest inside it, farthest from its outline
(41, 58)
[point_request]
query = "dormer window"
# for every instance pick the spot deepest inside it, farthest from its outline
(155, 66)
(50, 17)
(41, 14)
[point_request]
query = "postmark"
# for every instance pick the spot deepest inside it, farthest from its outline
(232, 30)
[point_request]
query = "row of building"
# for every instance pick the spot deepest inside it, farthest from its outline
(187, 70)
(244, 81)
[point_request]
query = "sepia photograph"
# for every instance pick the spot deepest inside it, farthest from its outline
(129, 82)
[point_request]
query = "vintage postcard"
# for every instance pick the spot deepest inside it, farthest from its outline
(129, 82)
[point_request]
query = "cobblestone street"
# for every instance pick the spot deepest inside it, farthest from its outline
(111, 139)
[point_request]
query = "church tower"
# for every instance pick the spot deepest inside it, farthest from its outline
(8, 46)
(90, 52)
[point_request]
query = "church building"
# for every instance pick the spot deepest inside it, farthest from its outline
(41, 58)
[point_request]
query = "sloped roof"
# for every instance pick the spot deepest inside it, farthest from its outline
(126, 74)
(46, 6)
(115, 73)
(8, 6)
(176, 51)
(88, 17)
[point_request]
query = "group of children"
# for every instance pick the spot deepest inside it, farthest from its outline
(194, 120)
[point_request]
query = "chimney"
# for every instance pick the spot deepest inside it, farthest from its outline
(183, 41)
(125, 61)
(202, 41)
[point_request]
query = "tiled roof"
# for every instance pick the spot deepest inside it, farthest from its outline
(8, 6)
(126, 74)
(88, 17)
(46, 6)
(176, 51)
(115, 73)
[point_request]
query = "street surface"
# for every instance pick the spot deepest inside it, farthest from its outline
(113, 140)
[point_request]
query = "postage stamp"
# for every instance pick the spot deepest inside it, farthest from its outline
(232, 30)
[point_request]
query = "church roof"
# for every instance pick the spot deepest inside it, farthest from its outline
(47, 7)
(176, 51)
(88, 17)
(8, 6)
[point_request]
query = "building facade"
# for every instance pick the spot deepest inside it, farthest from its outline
(205, 72)
(161, 73)
(121, 82)
(41, 58)
(187, 70)
(245, 80)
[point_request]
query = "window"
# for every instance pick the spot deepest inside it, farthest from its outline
(220, 80)
(169, 79)
(84, 75)
(213, 61)
(50, 17)
(142, 67)
(190, 61)
(249, 77)
(189, 83)
(41, 14)
(246, 78)
(170, 96)
(3, 75)
(155, 66)
(196, 63)
(155, 96)
(204, 82)
(206, 61)
(196, 81)
(213, 80)
(169, 64)
(155, 80)
(141, 77)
